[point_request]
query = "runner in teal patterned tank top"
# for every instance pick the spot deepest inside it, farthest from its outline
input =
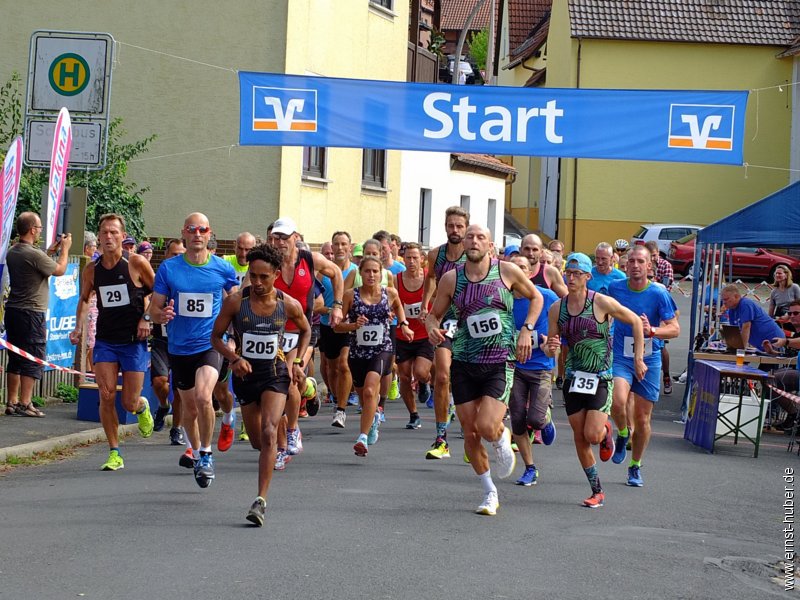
(486, 332)
(583, 318)
(482, 372)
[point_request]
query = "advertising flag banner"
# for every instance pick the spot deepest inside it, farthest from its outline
(12, 171)
(59, 161)
(60, 316)
(652, 125)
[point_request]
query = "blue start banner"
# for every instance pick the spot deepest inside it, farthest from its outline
(661, 125)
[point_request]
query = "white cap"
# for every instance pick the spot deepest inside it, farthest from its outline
(284, 226)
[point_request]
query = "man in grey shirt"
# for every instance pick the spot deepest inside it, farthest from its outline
(28, 270)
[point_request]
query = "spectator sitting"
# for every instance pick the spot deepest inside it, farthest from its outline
(753, 321)
(784, 293)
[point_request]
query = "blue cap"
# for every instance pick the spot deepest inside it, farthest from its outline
(578, 260)
(510, 250)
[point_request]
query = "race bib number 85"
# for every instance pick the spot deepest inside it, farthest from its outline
(484, 325)
(195, 305)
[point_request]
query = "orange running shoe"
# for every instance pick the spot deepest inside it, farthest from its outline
(225, 440)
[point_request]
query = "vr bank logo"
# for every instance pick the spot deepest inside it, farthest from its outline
(701, 126)
(284, 109)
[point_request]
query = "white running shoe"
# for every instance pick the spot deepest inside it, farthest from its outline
(294, 441)
(490, 504)
(506, 460)
(338, 419)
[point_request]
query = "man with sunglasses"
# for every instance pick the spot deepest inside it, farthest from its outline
(187, 294)
(299, 269)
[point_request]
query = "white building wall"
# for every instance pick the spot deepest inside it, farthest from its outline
(431, 171)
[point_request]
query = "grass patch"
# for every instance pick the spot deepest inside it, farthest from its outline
(37, 459)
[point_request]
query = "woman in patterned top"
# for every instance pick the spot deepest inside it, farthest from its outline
(369, 310)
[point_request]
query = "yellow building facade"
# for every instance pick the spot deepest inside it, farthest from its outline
(603, 200)
(175, 75)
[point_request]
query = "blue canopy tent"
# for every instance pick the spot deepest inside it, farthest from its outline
(773, 221)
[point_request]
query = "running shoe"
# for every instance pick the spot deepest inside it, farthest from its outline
(303, 412)
(667, 385)
(514, 447)
(549, 433)
(414, 423)
(145, 419)
(158, 420)
(204, 470)
(372, 437)
(114, 462)
(559, 383)
(243, 437)
(225, 440)
(281, 458)
(338, 419)
(490, 504)
(440, 449)
(451, 413)
(466, 458)
(529, 477)
(176, 436)
(381, 415)
(619, 449)
(607, 445)
(312, 405)
(635, 476)
(294, 441)
(256, 513)
(423, 393)
(504, 455)
(596, 500)
(394, 389)
(187, 459)
(352, 399)
(537, 437)
(630, 439)
(311, 389)
(429, 401)
(360, 447)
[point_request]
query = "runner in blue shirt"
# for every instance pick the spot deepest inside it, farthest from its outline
(531, 394)
(658, 312)
(603, 272)
(188, 294)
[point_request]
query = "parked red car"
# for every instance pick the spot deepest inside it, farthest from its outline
(757, 263)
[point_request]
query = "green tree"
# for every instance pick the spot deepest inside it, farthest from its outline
(109, 190)
(479, 47)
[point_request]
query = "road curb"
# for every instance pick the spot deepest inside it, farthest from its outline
(64, 441)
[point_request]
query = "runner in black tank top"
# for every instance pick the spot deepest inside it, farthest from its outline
(121, 282)
(259, 315)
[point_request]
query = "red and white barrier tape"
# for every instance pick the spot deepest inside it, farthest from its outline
(39, 361)
(785, 394)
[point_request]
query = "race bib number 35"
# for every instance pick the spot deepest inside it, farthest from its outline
(484, 325)
(114, 295)
(195, 305)
(584, 383)
(369, 335)
(260, 347)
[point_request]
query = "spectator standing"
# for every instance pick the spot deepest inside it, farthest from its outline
(145, 249)
(784, 293)
(29, 269)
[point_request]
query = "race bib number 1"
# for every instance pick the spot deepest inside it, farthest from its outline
(290, 341)
(450, 327)
(114, 295)
(195, 305)
(260, 347)
(369, 335)
(584, 383)
(484, 325)
(628, 348)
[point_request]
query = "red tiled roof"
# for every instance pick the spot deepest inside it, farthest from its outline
(523, 16)
(455, 13)
(529, 46)
(753, 22)
(485, 161)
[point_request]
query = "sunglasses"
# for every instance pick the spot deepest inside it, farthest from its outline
(793, 313)
(197, 229)
(281, 236)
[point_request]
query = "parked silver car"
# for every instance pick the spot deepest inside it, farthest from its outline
(664, 234)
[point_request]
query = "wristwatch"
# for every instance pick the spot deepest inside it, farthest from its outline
(405, 323)
(146, 317)
(530, 327)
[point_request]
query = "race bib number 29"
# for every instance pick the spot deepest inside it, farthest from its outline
(114, 295)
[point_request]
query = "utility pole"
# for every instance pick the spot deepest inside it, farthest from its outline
(462, 38)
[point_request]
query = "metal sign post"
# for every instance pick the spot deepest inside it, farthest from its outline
(72, 70)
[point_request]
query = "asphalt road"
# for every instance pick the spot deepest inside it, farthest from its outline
(394, 525)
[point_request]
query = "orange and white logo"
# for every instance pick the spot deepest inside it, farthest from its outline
(284, 109)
